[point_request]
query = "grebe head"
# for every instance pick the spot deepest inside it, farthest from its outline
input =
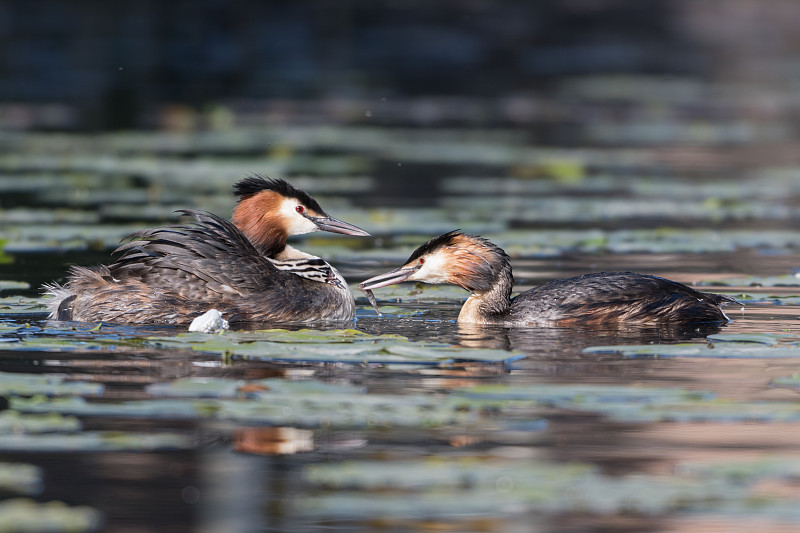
(472, 263)
(269, 210)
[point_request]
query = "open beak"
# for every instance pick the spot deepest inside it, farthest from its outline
(337, 226)
(389, 278)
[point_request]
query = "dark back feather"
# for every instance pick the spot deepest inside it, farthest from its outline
(210, 263)
(605, 297)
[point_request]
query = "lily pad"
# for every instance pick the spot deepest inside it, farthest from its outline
(723, 350)
(23, 514)
(446, 487)
(340, 346)
(6, 285)
(18, 305)
(769, 339)
(792, 381)
(21, 478)
(95, 441)
(756, 281)
(633, 404)
(30, 384)
(170, 409)
(17, 423)
(271, 401)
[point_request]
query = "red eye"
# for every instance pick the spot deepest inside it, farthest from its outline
(421, 260)
(300, 209)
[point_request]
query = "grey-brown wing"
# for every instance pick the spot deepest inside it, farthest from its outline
(618, 296)
(205, 258)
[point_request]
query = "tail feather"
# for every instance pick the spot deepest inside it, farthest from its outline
(59, 307)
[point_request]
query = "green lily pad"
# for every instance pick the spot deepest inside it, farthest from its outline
(196, 388)
(272, 401)
(769, 339)
(447, 487)
(231, 388)
(6, 285)
(14, 422)
(171, 409)
(23, 514)
(18, 305)
(773, 467)
(723, 350)
(792, 381)
(340, 346)
(756, 281)
(633, 404)
(95, 441)
(30, 384)
(21, 478)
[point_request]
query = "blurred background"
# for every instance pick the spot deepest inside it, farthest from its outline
(204, 64)
(652, 135)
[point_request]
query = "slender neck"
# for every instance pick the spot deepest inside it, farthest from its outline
(253, 216)
(489, 306)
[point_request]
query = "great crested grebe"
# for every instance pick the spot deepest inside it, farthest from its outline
(243, 267)
(484, 269)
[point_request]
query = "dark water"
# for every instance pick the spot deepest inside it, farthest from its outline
(239, 477)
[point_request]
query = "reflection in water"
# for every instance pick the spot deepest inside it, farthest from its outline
(552, 340)
(272, 440)
(248, 477)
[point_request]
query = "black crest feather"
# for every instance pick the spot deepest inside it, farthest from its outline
(254, 184)
(446, 239)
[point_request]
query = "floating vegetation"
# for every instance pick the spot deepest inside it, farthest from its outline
(50, 385)
(86, 441)
(755, 281)
(748, 349)
(634, 404)
(452, 487)
(339, 346)
(20, 305)
(271, 402)
(24, 514)
(792, 381)
(21, 478)
(6, 285)
(305, 345)
(17, 423)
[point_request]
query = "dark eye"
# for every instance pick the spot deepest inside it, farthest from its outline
(300, 209)
(421, 260)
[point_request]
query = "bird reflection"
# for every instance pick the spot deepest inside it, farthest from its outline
(537, 340)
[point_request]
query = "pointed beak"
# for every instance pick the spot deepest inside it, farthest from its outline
(389, 278)
(337, 226)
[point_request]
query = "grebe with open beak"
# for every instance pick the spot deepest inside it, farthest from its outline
(484, 269)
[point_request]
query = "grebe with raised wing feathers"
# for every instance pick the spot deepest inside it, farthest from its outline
(242, 267)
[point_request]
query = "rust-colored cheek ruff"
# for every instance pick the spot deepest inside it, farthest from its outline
(257, 217)
(474, 268)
